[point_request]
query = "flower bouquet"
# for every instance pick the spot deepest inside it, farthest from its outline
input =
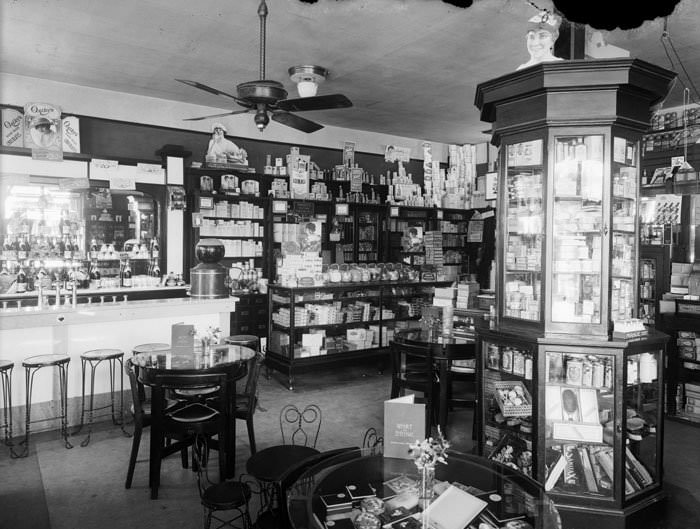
(426, 455)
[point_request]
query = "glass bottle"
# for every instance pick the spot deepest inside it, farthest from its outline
(21, 280)
(67, 248)
(94, 250)
(22, 249)
(126, 275)
(155, 270)
(155, 248)
(94, 275)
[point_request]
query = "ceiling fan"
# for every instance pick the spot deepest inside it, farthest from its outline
(266, 97)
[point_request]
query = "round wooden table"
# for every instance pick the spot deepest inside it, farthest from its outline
(231, 360)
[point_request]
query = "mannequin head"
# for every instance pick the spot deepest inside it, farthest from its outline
(542, 32)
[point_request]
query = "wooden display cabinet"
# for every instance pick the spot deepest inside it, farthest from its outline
(569, 136)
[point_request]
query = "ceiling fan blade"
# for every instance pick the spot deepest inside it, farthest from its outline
(209, 89)
(296, 122)
(217, 115)
(315, 103)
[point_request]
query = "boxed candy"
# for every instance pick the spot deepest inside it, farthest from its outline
(513, 398)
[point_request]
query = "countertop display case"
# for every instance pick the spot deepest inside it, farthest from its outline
(339, 321)
(566, 395)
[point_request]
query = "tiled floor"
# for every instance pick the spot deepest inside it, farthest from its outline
(83, 488)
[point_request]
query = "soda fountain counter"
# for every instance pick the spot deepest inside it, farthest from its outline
(72, 330)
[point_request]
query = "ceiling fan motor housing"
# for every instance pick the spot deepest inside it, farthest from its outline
(263, 91)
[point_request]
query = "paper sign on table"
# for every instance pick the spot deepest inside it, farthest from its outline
(404, 424)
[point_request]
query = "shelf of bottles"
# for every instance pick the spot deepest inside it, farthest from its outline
(647, 291)
(524, 231)
(44, 233)
(40, 244)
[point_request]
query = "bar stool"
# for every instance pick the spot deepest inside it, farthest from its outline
(6, 383)
(94, 358)
(31, 366)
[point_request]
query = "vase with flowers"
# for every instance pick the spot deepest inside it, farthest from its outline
(210, 336)
(426, 455)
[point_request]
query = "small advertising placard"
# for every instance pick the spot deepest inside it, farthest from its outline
(404, 422)
(42, 131)
(103, 169)
(356, 180)
(182, 337)
(71, 134)
(12, 127)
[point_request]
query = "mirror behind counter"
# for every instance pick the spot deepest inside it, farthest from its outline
(96, 239)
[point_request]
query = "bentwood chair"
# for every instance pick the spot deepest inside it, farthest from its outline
(300, 426)
(190, 420)
(229, 495)
(141, 412)
(412, 369)
(269, 466)
(372, 440)
(247, 402)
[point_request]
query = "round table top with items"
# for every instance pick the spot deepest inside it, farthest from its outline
(219, 358)
(362, 489)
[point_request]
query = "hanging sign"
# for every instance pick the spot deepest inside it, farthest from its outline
(71, 134)
(42, 131)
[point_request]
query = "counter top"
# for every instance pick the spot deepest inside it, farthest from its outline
(111, 311)
(82, 292)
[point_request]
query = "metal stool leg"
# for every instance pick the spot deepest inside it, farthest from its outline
(82, 399)
(7, 405)
(63, 383)
(28, 383)
(91, 412)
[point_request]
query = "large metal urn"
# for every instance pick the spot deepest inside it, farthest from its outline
(208, 278)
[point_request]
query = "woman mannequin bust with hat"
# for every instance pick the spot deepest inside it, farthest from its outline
(221, 149)
(542, 32)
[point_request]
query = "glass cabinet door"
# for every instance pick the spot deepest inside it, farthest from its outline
(579, 407)
(642, 407)
(524, 231)
(624, 230)
(577, 231)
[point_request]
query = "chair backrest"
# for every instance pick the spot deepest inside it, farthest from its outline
(300, 427)
(190, 380)
(137, 392)
(410, 357)
(372, 439)
(251, 383)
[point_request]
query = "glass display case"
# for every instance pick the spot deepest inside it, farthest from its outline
(601, 441)
(568, 254)
(523, 208)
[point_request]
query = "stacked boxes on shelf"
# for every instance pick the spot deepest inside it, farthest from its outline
(466, 295)
(433, 250)
(691, 409)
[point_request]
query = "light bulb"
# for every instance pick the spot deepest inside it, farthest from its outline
(261, 119)
(307, 88)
